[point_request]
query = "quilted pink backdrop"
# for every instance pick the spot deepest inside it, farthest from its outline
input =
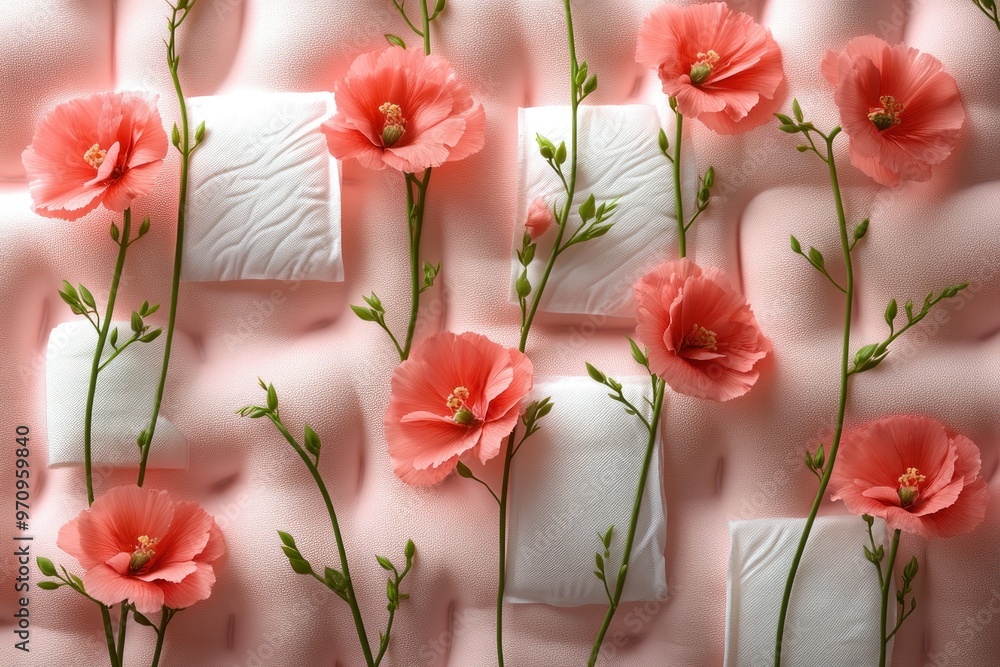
(741, 459)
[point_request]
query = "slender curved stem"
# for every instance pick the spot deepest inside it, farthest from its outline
(161, 634)
(109, 636)
(426, 32)
(634, 522)
(415, 216)
(95, 369)
(122, 626)
(678, 195)
(886, 584)
(842, 403)
(348, 584)
(173, 60)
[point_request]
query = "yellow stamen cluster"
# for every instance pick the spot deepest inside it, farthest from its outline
(909, 486)
(460, 411)
(395, 124)
(144, 552)
(701, 337)
(703, 67)
(888, 115)
(95, 156)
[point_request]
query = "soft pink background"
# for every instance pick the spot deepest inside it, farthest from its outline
(738, 460)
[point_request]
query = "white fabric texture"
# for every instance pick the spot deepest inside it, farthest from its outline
(618, 158)
(122, 404)
(264, 198)
(572, 480)
(833, 614)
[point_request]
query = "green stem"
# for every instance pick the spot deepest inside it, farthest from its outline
(629, 539)
(185, 149)
(842, 403)
(95, 369)
(415, 219)
(109, 635)
(351, 599)
(526, 326)
(122, 625)
(161, 633)
(426, 32)
(886, 584)
(678, 196)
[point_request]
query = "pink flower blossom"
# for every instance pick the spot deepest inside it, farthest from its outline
(702, 337)
(722, 67)
(457, 393)
(914, 473)
(539, 219)
(106, 149)
(137, 544)
(899, 107)
(400, 108)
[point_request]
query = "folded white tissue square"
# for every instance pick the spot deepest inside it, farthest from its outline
(619, 158)
(572, 480)
(122, 405)
(833, 614)
(264, 197)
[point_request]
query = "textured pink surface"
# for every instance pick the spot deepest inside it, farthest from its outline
(737, 460)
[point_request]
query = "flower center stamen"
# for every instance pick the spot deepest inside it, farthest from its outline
(144, 552)
(701, 337)
(395, 124)
(909, 486)
(888, 115)
(460, 411)
(95, 156)
(703, 67)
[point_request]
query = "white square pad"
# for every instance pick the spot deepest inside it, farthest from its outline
(833, 614)
(122, 404)
(264, 194)
(619, 157)
(572, 480)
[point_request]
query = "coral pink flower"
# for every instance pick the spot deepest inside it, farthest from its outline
(722, 67)
(701, 335)
(137, 544)
(899, 107)
(106, 149)
(456, 393)
(539, 219)
(403, 109)
(914, 473)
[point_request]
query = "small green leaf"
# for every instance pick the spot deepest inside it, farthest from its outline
(869, 519)
(144, 227)
(796, 247)
(199, 132)
(272, 398)
(816, 257)
(46, 567)
(374, 302)
(364, 313)
(606, 540)
(175, 136)
(864, 354)
(790, 129)
(115, 234)
(595, 374)
(70, 291)
(783, 119)
(439, 7)
(590, 85)
(49, 585)
(142, 620)
(861, 229)
(528, 255)
(588, 208)
(797, 110)
(300, 566)
(113, 338)
(287, 539)
(395, 40)
(335, 579)
(463, 470)
(152, 309)
(87, 297)
(820, 458)
(663, 141)
(600, 561)
(523, 286)
(910, 571)
(151, 336)
(802, 148)
(599, 574)
(384, 562)
(890, 312)
(909, 311)
(868, 554)
(561, 153)
(637, 353)
(311, 441)
(136, 322)
(709, 179)
(410, 550)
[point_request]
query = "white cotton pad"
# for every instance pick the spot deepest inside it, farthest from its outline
(833, 614)
(619, 158)
(572, 480)
(122, 405)
(264, 197)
